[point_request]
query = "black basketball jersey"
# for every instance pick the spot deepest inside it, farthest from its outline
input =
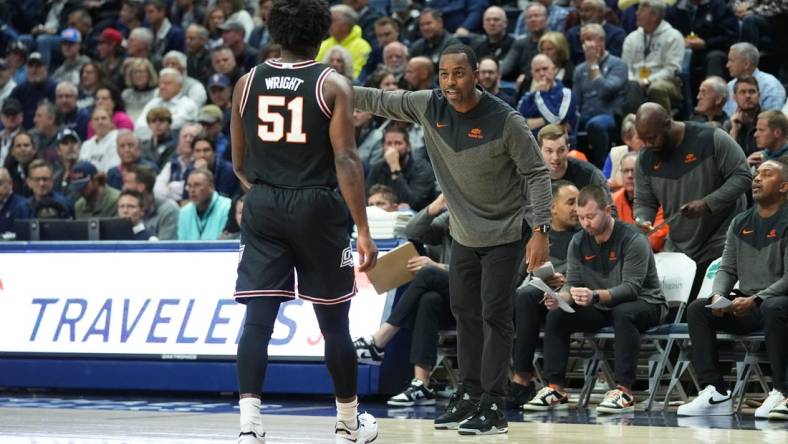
(286, 122)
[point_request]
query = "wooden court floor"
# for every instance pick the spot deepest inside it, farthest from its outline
(78, 426)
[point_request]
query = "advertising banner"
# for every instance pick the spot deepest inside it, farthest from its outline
(173, 305)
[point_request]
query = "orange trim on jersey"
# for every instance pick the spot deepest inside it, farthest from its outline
(245, 94)
(319, 92)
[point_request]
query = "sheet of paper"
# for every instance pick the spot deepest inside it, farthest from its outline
(549, 293)
(545, 271)
(719, 303)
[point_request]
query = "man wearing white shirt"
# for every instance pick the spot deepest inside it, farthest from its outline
(191, 88)
(182, 108)
(654, 53)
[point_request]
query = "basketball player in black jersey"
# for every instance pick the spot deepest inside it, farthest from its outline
(293, 144)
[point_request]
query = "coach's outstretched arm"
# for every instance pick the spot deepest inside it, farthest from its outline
(350, 174)
(237, 137)
(405, 106)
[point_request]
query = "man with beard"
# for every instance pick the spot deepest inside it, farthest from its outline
(754, 258)
(698, 174)
(611, 279)
(741, 126)
(490, 79)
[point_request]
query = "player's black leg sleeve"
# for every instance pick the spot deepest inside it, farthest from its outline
(339, 352)
(253, 347)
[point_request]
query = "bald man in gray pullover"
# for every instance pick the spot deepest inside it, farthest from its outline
(698, 174)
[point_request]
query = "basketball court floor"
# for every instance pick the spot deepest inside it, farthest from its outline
(48, 418)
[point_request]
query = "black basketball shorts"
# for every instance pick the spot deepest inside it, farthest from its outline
(303, 230)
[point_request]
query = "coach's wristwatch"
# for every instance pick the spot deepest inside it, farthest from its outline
(544, 228)
(595, 297)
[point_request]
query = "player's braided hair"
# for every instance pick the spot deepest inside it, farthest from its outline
(299, 25)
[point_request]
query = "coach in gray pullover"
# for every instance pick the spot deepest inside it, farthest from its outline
(756, 255)
(489, 168)
(698, 174)
(611, 279)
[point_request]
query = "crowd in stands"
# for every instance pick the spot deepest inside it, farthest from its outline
(120, 108)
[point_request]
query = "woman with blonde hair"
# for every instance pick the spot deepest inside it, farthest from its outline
(556, 46)
(141, 83)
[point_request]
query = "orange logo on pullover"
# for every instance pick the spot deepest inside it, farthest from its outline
(475, 133)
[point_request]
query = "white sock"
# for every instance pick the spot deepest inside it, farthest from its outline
(251, 420)
(347, 412)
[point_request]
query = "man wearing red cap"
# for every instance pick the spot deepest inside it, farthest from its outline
(110, 53)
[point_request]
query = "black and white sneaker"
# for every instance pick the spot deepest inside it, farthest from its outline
(780, 412)
(365, 432)
(251, 438)
(415, 395)
(460, 408)
(487, 420)
(548, 398)
(367, 352)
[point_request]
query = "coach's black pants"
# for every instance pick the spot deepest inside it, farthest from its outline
(482, 281)
(628, 319)
(424, 308)
(703, 328)
(529, 315)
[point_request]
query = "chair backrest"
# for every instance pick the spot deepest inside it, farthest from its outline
(676, 273)
(708, 278)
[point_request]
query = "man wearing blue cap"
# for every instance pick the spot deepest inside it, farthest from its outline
(219, 92)
(96, 198)
(68, 147)
(73, 61)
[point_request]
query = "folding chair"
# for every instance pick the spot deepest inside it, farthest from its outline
(676, 272)
(447, 357)
(746, 353)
